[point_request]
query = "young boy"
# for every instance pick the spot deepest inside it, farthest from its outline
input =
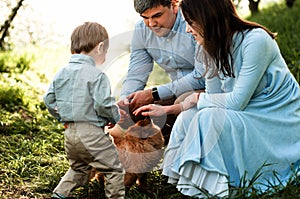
(80, 98)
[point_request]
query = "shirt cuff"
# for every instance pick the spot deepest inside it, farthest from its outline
(164, 92)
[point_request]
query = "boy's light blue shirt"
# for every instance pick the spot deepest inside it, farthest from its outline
(174, 53)
(81, 93)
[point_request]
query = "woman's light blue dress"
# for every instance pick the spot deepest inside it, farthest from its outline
(239, 125)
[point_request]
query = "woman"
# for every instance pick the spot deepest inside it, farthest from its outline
(248, 118)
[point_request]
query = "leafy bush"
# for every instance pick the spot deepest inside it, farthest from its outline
(11, 98)
(11, 62)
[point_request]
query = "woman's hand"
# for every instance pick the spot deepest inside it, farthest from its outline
(151, 110)
(158, 110)
(190, 101)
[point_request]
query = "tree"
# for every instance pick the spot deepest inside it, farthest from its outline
(289, 3)
(253, 6)
(4, 30)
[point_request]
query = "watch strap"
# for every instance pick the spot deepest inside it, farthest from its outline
(155, 94)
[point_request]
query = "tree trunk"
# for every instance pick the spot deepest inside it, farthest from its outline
(253, 6)
(289, 3)
(4, 31)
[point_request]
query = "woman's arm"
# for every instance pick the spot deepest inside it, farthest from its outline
(257, 51)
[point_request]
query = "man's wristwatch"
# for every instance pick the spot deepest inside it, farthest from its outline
(155, 94)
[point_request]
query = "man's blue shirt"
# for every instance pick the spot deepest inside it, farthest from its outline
(173, 52)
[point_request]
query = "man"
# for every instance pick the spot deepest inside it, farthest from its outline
(160, 38)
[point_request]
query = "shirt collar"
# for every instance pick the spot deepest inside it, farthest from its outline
(80, 58)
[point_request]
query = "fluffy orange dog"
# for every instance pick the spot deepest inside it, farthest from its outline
(140, 150)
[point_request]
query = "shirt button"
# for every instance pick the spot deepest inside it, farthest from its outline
(170, 57)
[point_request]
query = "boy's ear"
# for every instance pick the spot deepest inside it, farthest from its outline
(100, 48)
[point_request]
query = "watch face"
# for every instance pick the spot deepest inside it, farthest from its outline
(155, 94)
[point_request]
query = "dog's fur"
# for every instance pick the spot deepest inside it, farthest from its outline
(140, 150)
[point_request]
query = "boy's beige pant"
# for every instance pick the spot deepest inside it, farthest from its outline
(88, 146)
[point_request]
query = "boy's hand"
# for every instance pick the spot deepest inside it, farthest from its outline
(123, 104)
(110, 125)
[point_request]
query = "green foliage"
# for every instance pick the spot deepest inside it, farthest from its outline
(11, 98)
(11, 62)
(30, 139)
(33, 158)
(285, 21)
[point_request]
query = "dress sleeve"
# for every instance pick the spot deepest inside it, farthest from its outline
(256, 53)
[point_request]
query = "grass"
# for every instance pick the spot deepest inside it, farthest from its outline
(32, 157)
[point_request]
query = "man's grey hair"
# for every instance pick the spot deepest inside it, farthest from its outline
(141, 6)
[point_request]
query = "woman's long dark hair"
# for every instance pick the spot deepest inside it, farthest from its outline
(217, 21)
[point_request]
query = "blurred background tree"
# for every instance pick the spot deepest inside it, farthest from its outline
(20, 25)
(4, 30)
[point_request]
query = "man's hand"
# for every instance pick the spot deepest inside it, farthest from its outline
(140, 98)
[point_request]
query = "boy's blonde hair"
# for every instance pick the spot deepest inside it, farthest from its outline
(86, 36)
